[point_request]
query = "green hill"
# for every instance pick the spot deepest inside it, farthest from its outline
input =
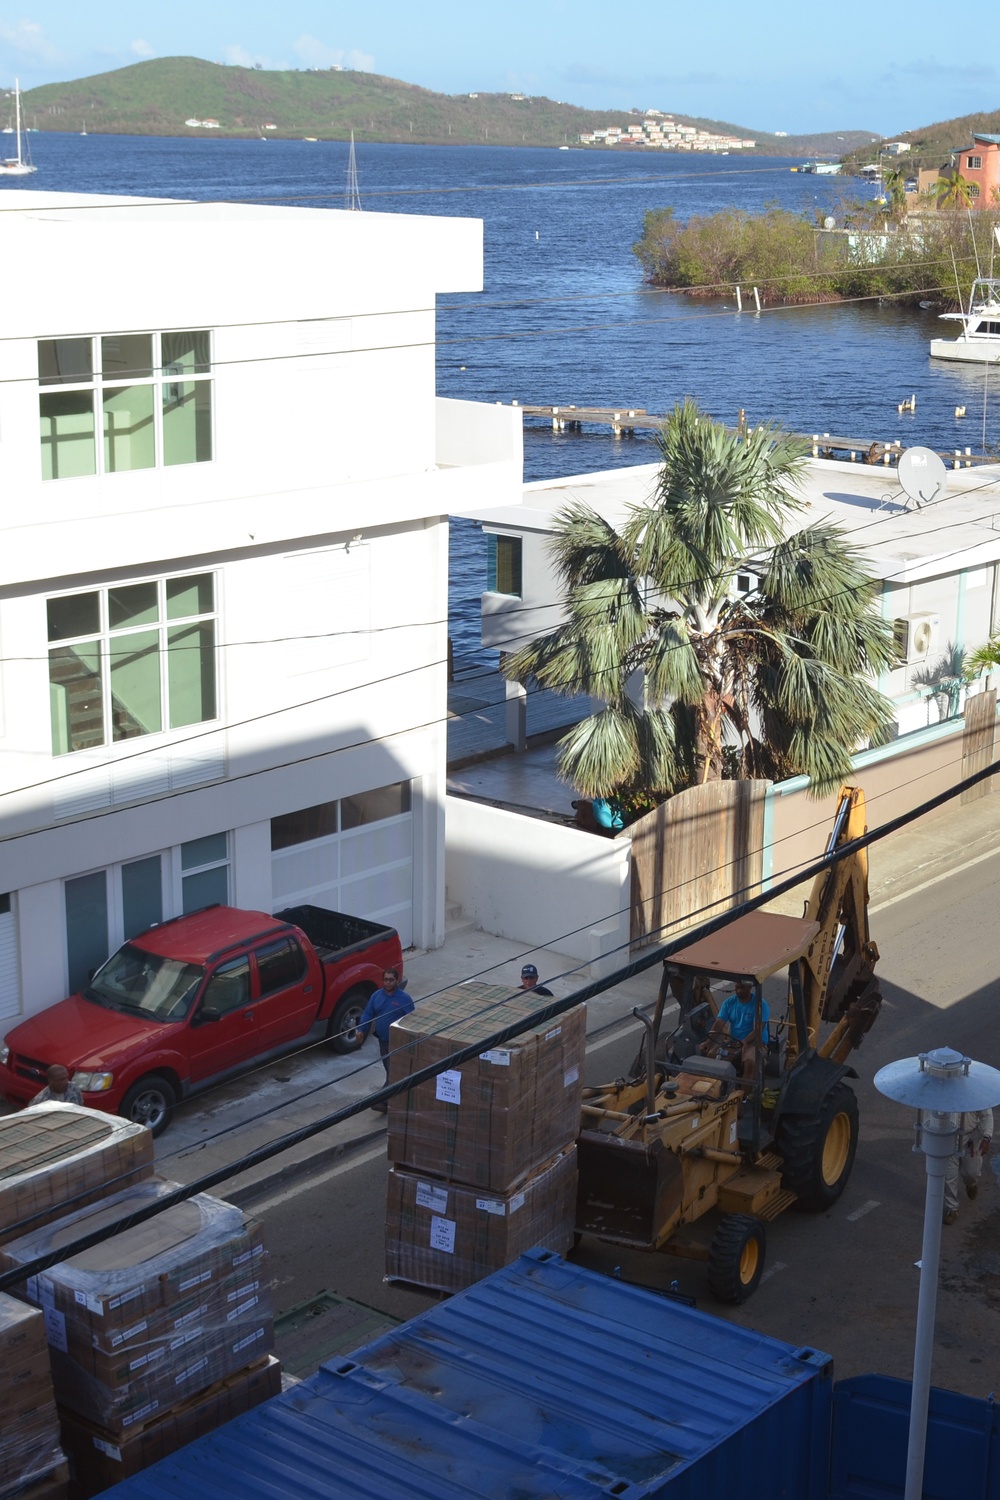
(156, 97)
(930, 145)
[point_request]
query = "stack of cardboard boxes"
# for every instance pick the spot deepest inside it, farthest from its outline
(31, 1460)
(483, 1161)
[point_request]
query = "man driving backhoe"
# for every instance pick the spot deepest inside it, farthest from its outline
(735, 1035)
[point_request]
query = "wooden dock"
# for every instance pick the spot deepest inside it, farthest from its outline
(626, 421)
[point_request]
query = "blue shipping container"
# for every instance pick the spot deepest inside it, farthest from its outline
(544, 1382)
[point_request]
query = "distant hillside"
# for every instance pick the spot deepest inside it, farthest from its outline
(157, 97)
(931, 144)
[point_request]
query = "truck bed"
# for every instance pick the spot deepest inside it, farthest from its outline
(334, 933)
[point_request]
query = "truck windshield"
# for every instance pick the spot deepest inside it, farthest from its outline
(133, 980)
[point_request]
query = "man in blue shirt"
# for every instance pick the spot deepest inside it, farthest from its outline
(735, 1034)
(384, 1006)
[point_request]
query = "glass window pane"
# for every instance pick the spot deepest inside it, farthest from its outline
(132, 604)
(186, 353)
(190, 596)
(229, 987)
(128, 428)
(191, 673)
(86, 927)
(279, 965)
(187, 422)
(135, 684)
(206, 851)
(142, 895)
(73, 615)
(371, 807)
(75, 697)
(508, 566)
(67, 423)
(308, 823)
(65, 361)
(207, 888)
(127, 356)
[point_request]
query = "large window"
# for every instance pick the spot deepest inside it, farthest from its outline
(131, 660)
(128, 401)
(325, 818)
(503, 564)
(974, 163)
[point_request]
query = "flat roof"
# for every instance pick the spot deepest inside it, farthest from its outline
(755, 946)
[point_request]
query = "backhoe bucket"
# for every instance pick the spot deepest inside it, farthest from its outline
(629, 1192)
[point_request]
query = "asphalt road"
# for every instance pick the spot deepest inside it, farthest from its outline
(842, 1281)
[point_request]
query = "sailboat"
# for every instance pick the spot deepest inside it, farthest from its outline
(21, 164)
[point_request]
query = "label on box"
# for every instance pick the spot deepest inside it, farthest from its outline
(491, 1206)
(243, 1307)
(141, 1414)
(448, 1087)
(108, 1449)
(191, 1371)
(143, 1360)
(185, 1286)
(55, 1329)
(191, 1317)
(556, 1031)
(247, 1290)
(83, 1299)
(241, 1260)
(570, 1077)
(249, 1341)
(429, 1195)
(125, 1297)
(516, 1202)
(127, 1333)
(186, 1337)
(499, 1056)
(443, 1235)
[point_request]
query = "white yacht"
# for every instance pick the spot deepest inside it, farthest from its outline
(979, 341)
(21, 164)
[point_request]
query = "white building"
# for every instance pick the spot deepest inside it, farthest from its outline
(223, 597)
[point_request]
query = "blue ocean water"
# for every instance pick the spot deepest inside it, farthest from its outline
(564, 317)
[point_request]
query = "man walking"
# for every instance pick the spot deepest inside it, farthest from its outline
(975, 1131)
(385, 1006)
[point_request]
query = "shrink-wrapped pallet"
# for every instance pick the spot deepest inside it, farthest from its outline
(56, 1158)
(29, 1427)
(443, 1235)
(144, 1320)
(493, 1121)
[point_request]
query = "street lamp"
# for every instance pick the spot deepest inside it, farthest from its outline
(941, 1085)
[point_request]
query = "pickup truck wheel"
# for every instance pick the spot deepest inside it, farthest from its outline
(150, 1102)
(342, 1029)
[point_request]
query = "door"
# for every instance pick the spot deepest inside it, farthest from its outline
(230, 1039)
(287, 996)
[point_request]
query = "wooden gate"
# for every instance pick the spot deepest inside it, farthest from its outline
(977, 741)
(695, 855)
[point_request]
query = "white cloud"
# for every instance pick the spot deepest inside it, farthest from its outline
(142, 49)
(316, 54)
(29, 39)
(241, 58)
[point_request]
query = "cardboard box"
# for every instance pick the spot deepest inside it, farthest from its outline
(29, 1428)
(98, 1460)
(498, 1118)
(55, 1158)
(52, 1486)
(442, 1235)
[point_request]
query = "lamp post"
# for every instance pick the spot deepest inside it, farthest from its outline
(942, 1086)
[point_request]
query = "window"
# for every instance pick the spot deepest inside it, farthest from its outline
(503, 564)
(205, 872)
(148, 394)
(279, 965)
(973, 189)
(974, 163)
(332, 817)
(131, 660)
(86, 926)
(229, 987)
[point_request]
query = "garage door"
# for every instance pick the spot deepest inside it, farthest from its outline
(354, 855)
(10, 970)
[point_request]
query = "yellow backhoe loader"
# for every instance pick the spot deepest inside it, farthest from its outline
(744, 1134)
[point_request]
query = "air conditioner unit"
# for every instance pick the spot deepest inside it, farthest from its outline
(916, 637)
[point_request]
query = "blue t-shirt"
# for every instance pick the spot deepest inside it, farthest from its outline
(741, 1017)
(383, 1009)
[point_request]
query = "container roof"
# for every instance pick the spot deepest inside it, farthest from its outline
(753, 947)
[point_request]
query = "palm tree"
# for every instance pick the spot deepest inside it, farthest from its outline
(952, 191)
(985, 658)
(697, 671)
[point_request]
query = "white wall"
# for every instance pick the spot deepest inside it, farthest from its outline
(539, 883)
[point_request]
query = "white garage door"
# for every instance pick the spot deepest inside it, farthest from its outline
(10, 969)
(355, 855)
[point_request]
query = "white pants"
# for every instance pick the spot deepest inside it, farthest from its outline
(970, 1168)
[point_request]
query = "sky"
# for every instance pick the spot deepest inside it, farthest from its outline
(778, 65)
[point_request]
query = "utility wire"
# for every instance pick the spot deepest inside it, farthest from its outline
(497, 1039)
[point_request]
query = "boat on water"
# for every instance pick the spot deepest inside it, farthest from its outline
(20, 165)
(979, 341)
(819, 168)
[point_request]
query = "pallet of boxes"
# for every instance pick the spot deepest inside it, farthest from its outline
(154, 1336)
(482, 1156)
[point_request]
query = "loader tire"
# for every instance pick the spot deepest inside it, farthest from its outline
(736, 1258)
(818, 1150)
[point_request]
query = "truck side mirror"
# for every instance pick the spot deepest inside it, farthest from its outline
(207, 1014)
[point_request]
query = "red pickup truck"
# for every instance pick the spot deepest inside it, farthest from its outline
(198, 999)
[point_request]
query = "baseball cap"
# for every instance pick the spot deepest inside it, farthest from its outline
(529, 972)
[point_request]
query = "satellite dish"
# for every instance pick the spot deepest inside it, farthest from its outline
(922, 474)
(829, 222)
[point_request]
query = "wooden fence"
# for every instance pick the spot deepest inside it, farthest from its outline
(977, 741)
(692, 857)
